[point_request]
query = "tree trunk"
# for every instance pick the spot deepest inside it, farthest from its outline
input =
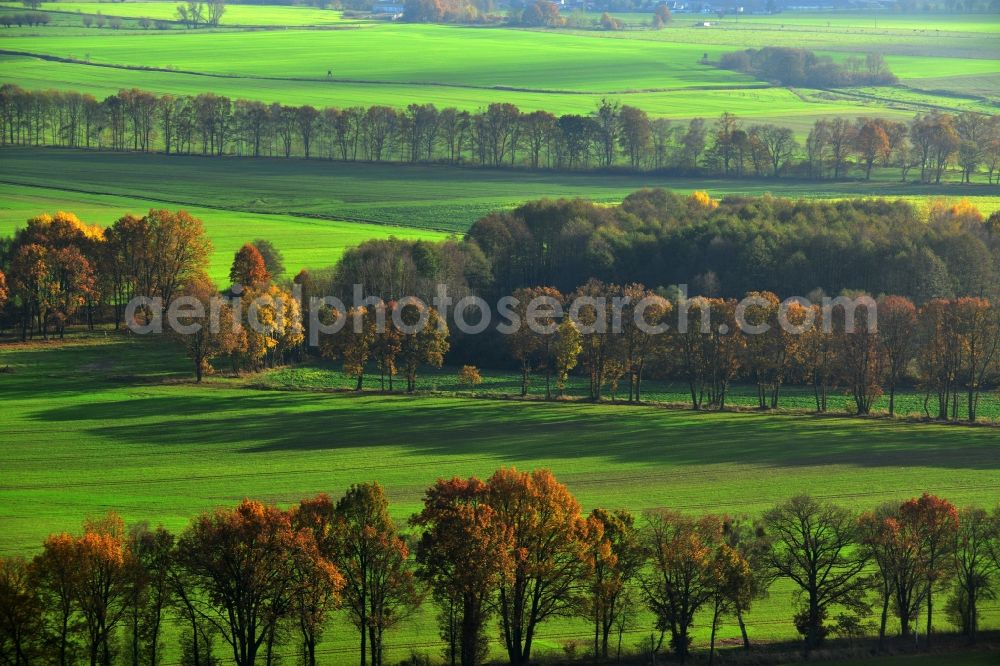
(743, 630)
(884, 618)
(930, 614)
(711, 642)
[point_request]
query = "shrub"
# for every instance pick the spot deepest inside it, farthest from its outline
(469, 376)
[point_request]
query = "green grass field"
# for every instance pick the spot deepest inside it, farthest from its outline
(560, 71)
(416, 54)
(112, 423)
(960, 36)
(305, 243)
(235, 15)
(430, 197)
(104, 422)
(327, 376)
(797, 110)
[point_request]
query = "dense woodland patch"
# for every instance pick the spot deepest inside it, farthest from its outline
(800, 67)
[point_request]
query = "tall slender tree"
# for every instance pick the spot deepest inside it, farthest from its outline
(379, 587)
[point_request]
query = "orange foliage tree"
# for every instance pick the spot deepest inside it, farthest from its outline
(354, 342)
(527, 344)
(249, 269)
(977, 323)
(939, 355)
(639, 345)
(863, 363)
(152, 256)
(103, 580)
(53, 270)
(465, 552)
(613, 556)
(425, 346)
(241, 567)
(387, 345)
(891, 540)
(679, 582)
(730, 582)
(897, 324)
(320, 583)
(548, 541)
(207, 338)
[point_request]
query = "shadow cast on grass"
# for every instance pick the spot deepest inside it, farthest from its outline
(273, 421)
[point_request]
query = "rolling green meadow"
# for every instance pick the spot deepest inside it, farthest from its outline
(236, 15)
(103, 421)
(447, 199)
(954, 67)
(305, 242)
(751, 100)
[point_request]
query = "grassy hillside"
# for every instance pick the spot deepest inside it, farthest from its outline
(410, 54)
(434, 197)
(235, 15)
(306, 243)
(106, 422)
(111, 423)
(561, 71)
(796, 109)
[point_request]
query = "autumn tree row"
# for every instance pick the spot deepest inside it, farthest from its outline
(500, 135)
(58, 269)
(61, 269)
(499, 558)
(950, 349)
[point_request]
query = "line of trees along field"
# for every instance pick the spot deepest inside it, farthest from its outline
(60, 269)
(515, 550)
(948, 348)
(503, 136)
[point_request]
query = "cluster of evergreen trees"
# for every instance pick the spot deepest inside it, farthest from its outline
(501, 135)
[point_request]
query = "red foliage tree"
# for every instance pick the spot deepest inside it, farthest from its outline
(249, 269)
(935, 521)
(465, 552)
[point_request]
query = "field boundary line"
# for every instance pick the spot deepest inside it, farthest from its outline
(372, 82)
(907, 104)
